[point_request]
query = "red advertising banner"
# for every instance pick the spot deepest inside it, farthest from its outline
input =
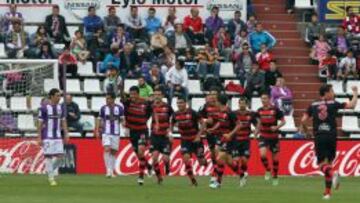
(297, 158)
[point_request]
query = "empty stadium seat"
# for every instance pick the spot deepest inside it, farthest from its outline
(26, 122)
(350, 84)
(88, 122)
(337, 87)
(82, 103)
(3, 104)
(234, 103)
(50, 84)
(227, 70)
(59, 46)
(173, 104)
(194, 87)
(2, 51)
(30, 29)
(35, 103)
(350, 124)
(197, 103)
(255, 104)
(303, 4)
(290, 124)
(85, 69)
(73, 86)
(129, 83)
(18, 104)
(92, 86)
(72, 30)
(355, 136)
(97, 103)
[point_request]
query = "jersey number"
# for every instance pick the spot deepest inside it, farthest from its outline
(323, 114)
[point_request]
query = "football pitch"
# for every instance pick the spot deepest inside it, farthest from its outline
(98, 189)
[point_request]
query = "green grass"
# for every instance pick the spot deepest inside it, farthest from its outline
(98, 189)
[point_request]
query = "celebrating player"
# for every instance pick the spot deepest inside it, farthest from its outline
(324, 113)
(160, 133)
(268, 128)
(110, 118)
(51, 121)
(137, 113)
(240, 147)
(187, 121)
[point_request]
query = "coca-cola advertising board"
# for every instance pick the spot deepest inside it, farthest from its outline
(297, 158)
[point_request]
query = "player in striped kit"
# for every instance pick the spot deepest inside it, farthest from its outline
(51, 122)
(109, 121)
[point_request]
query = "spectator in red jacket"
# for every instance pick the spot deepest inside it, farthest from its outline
(264, 58)
(221, 42)
(330, 65)
(352, 22)
(193, 26)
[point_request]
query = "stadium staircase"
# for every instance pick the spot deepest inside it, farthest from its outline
(291, 52)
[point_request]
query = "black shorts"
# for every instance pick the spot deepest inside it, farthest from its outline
(272, 144)
(325, 147)
(138, 138)
(240, 148)
(160, 144)
(224, 146)
(190, 147)
(212, 140)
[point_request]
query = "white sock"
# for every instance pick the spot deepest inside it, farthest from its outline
(107, 159)
(57, 163)
(49, 167)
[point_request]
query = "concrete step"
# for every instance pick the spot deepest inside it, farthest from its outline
(273, 2)
(276, 17)
(285, 33)
(301, 86)
(301, 77)
(286, 60)
(305, 94)
(297, 69)
(279, 25)
(286, 51)
(269, 8)
(291, 43)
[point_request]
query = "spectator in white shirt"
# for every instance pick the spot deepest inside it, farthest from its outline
(348, 65)
(177, 80)
(135, 24)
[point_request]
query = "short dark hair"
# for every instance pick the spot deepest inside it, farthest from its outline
(152, 9)
(111, 8)
(90, 8)
(324, 89)
(53, 91)
(265, 94)
(215, 8)
(181, 98)
(56, 7)
(133, 7)
(238, 12)
(134, 89)
(243, 99)
(111, 95)
(223, 99)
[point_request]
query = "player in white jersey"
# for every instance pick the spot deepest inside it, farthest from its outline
(51, 122)
(108, 124)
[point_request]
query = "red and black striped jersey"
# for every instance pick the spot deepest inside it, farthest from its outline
(226, 120)
(209, 111)
(188, 124)
(137, 113)
(244, 119)
(269, 117)
(161, 112)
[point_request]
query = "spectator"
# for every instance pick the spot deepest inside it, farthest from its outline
(169, 24)
(135, 24)
(11, 17)
(243, 63)
(329, 63)
(222, 44)
(98, 46)
(91, 22)
(314, 29)
(78, 47)
(180, 40)
(348, 66)
(55, 25)
(46, 51)
(17, 42)
(2, 28)
(340, 42)
(111, 60)
(167, 60)
(251, 24)
(37, 39)
(272, 75)
(320, 49)
(129, 62)
(120, 38)
(208, 62)
(255, 81)
(190, 63)
(73, 114)
(158, 42)
(177, 81)
(69, 60)
(213, 23)
(152, 22)
(281, 96)
(352, 22)
(263, 58)
(113, 82)
(235, 25)
(146, 91)
(154, 77)
(111, 21)
(260, 37)
(193, 26)
(240, 39)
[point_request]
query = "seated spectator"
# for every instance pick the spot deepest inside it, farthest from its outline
(111, 60)
(153, 23)
(129, 62)
(2, 29)
(135, 24)
(348, 66)
(17, 42)
(330, 64)
(222, 44)
(46, 51)
(251, 24)
(37, 39)
(91, 22)
(73, 114)
(235, 25)
(120, 37)
(180, 40)
(11, 17)
(177, 81)
(55, 25)
(169, 24)
(272, 75)
(193, 26)
(208, 62)
(320, 49)
(113, 82)
(69, 60)
(243, 63)
(154, 77)
(79, 47)
(146, 91)
(240, 39)
(255, 81)
(281, 96)
(158, 42)
(190, 63)
(111, 21)
(314, 29)
(167, 60)
(98, 46)
(340, 42)
(352, 22)
(213, 24)
(263, 58)
(260, 37)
